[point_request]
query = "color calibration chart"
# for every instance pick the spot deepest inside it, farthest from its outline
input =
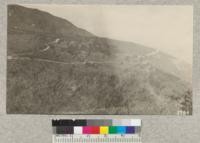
(97, 131)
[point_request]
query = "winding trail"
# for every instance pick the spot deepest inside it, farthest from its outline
(58, 62)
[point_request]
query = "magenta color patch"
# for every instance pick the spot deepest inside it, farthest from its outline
(87, 130)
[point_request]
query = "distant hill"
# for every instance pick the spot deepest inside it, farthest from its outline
(55, 67)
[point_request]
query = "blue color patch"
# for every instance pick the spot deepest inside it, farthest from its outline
(130, 130)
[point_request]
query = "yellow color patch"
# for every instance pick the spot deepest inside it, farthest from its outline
(103, 130)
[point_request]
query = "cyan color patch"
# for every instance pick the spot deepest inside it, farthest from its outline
(121, 129)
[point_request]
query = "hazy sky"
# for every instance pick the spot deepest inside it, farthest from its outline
(168, 28)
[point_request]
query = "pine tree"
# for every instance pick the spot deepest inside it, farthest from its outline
(186, 104)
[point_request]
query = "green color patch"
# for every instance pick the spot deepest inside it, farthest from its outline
(112, 130)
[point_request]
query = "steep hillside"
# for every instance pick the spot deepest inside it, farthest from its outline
(55, 67)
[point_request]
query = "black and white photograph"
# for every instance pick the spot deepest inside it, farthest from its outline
(99, 59)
